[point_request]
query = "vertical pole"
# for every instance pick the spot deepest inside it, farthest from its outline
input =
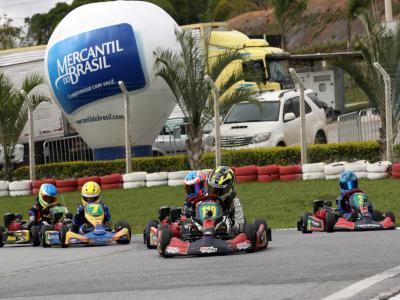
(300, 83)
(128, 154)
(388, 11)
(388, 111)
(32, 173)
(217, 136)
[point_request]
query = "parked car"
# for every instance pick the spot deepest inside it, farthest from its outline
(17, 157)
(274, 122)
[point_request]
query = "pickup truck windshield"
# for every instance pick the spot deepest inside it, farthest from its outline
(250, 112)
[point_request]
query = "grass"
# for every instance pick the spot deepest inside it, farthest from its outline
(280, 202)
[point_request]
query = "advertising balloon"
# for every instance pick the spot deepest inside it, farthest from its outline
(94, 47)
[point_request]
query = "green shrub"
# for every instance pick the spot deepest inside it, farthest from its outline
(349, 151)
(396, 153)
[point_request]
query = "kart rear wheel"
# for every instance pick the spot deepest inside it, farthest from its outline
(391, 215)
(121, 225)
(43, 235)
(35, 233)
(377, 215)
(164, 235)
(304, 223)
(147, 230)
(330, 220)
(250, 232)
(267, 232)
(2, 230)
(63, 236)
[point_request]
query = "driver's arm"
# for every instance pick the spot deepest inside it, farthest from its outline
(239, 216)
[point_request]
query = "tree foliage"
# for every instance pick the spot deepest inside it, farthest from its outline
(8, 34)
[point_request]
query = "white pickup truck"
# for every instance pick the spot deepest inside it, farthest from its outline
(17, 157)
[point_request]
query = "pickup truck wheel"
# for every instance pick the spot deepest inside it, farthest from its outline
(320, 138)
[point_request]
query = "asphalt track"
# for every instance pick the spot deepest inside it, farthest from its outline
(295, 266)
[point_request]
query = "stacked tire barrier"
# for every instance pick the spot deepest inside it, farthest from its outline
(67, 185)
(289, 173)
(359, 168)
(313, 171)
(83, 180)
(395, 171)
(246, 173)
(268, 173)
(176, 178)
(37, 183)
(333, 170)
(378, 170)
(113, 181)
(20, 188)
(4, 188)
(134, 180)
(156, 179)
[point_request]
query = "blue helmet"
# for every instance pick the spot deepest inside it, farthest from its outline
(195, 184)
(47, 194)
(348, 181)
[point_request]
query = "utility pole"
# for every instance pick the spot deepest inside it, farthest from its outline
(32, 173)
(388, 11)
(300, 83)
(128, 153)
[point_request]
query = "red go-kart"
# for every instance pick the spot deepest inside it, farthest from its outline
(363, 217)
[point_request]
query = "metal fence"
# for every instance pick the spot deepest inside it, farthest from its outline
(71, 148)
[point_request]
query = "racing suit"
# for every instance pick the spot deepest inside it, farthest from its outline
(79, 218)
(343, 203)
(233, 208)
(37, 215)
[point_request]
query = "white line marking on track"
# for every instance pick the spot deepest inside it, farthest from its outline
(359, 286)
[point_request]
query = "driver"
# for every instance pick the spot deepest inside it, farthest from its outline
(38, 215)
(221, 183)
(348, 183)
(90, 194)
(195, 185)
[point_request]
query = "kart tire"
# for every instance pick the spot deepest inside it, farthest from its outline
(21, 185)
(290, 170)
(112, 186)
(4, 185)
(66, 183)
(377, 215)
(123, 224)
(83, 180)
(156, 183)
(330, 220)
(268, 178)
(257, 224)
(20, 193)
(2, 230)
(165, 236)
(330, 177)
(391, 215)
(42, 234)
(250, 232)
(63, 236)
(35, 235)
(334, 168)
(394, 175)
(134, 176)
(36, 184)
(313, 168)
(152, 223)
(313, 176)
(246, 170)
(4, 193)
(158, 176)
(291, 177)
(245, 178)
(377, 175)
(67, 189)
(361, 174)
(111, 179)
(396, 168)
(303, 223)
(133, 184)
(358, 166)
(268, 170)
(177, 175)
(378, 167)
(175, 182)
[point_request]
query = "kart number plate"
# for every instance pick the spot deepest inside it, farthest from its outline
(12, 238)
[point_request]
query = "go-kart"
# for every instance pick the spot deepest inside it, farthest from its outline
(95, 232)
(208, 232)
(363, 217)
(50, 233)
(15, 230)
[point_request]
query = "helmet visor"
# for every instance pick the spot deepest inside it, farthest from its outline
(90, 199)
(218, 191)
(49, 199)
(348, 185)
(193, 189)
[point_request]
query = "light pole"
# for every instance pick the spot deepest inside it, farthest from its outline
(300, 83)
(32, 173)
(217, 136)
(388, 111)
(128, 154)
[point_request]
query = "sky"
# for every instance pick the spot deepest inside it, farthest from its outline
(20, 9)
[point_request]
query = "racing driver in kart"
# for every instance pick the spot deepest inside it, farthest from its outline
(221, 183)
(47, 196)
(90, 194)
(195, 185)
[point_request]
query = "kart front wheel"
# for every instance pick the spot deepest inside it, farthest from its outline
(122, 225)
(63, 236)
(265, 236)
(35, 233)
(43, 235)
(164, 237)
(147, 234)
(330, 220)
(304, 222)
(2, 230)
(390, 214)
(250, 232)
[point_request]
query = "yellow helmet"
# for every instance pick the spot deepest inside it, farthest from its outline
(90, 193)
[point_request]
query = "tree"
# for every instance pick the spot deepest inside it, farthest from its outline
(14, 113)
(378, 44)
(9, 35)
(286, 13)
(226, 9)
(184, 73)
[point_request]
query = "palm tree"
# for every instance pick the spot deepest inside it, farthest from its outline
(14, 113)
(378, 44)
(184, 73)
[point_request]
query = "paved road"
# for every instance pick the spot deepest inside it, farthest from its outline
(296, 266)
